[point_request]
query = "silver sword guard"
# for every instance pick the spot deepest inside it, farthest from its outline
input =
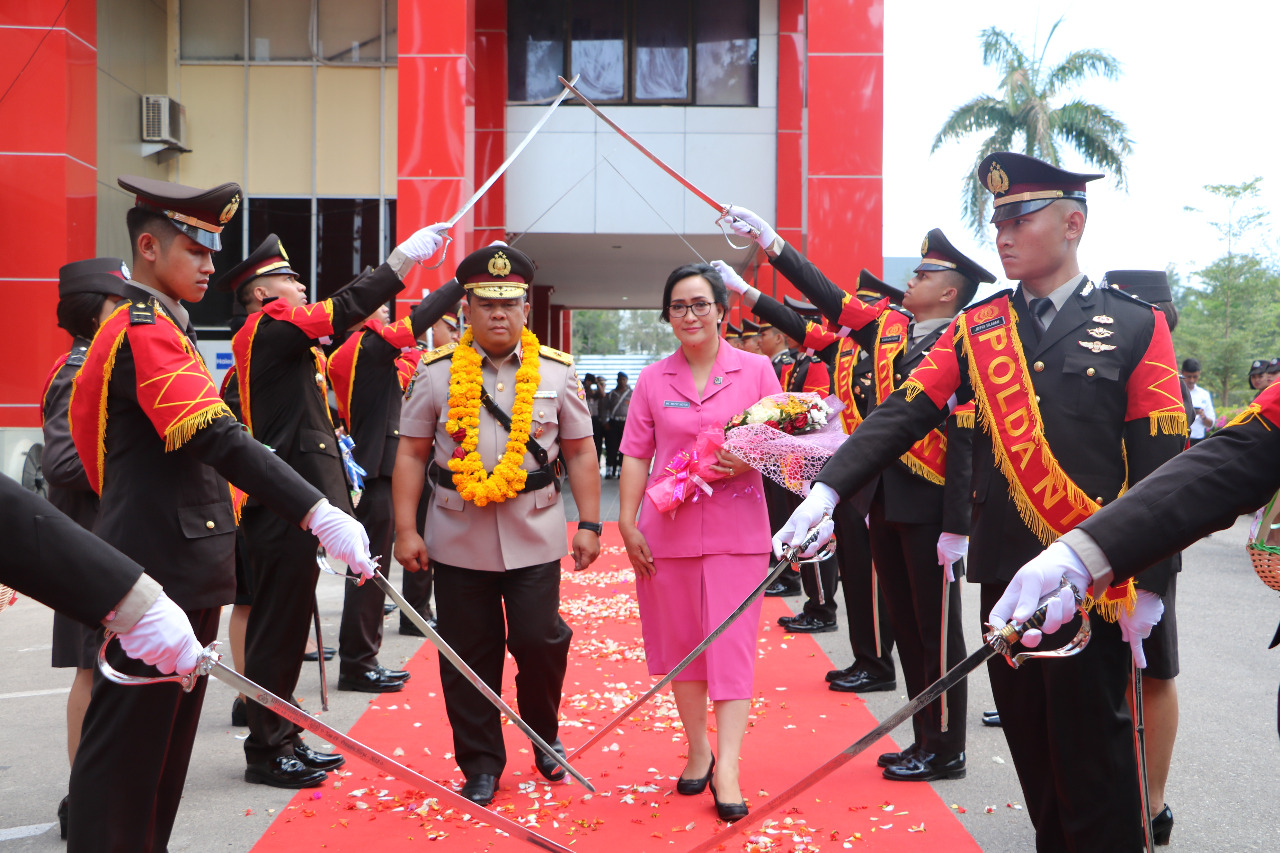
(1003, 639)
(204, 665)
(723, 221)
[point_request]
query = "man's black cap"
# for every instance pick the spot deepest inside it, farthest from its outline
(268, 259)
(1023, 184)
(496, 272)
(1148, 285)
(749, 329)
(1273, 366)
(937, 253)
(804, 309)
(1259, 366)
(200, 214)
(732, 331)
(871, 288)
(96, 275)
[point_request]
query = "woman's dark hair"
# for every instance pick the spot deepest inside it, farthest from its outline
(78, 313)
(719, 293)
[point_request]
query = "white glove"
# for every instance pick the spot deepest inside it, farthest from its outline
(424, 242)
(743, 222)
(1136, 626)
(343, 537)
(163, 638)
(1037, 580)
(821, 502)
(732, 280)
(952, 548)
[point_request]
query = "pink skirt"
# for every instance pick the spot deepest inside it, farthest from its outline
(684, 602)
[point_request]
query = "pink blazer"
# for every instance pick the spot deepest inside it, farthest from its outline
(666, 416)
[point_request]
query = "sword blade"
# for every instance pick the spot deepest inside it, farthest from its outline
(351, 746)
(407, 610)
(511, 158)
(685, 182)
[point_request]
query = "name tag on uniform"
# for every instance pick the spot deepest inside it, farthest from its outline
(891, 339)
(675, 404)
(544, 394)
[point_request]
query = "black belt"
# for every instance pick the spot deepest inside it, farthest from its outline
(545, 476)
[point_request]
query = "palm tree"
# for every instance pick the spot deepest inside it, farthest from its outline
(1024, 113)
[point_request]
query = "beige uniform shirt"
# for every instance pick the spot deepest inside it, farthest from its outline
(526, 530)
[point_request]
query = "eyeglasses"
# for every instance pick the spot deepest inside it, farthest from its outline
(700, 309)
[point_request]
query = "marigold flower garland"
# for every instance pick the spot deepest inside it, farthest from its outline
(466, 381)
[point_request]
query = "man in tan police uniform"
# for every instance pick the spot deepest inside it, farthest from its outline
(495, 534)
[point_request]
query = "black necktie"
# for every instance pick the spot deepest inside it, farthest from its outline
(191, 333)
(1039, 308)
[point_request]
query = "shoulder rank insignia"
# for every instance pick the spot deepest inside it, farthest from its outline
(439, 353)
(1096, 346)
(1104, 319)
(142, 314)
(556, 355)
(1101, 332)
(76, 358)
(1088, 288)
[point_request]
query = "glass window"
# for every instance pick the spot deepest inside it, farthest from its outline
(662, 51)
(212, 30)
(728, 52)
(350, 31)
(279, 30)
(393, 30)
(535, 49)
(346, 241)
(598, 49)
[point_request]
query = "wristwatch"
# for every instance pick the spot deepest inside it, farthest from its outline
(594, 526)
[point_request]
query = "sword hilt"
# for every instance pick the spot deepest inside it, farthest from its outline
(208, 657)
(444, 253)
(1003, 639)
(723, 222)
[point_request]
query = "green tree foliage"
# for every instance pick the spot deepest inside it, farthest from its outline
(1024, 116)
(611, 332)
(1229, 313)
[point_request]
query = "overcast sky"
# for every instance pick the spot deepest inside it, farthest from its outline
(1198, 91)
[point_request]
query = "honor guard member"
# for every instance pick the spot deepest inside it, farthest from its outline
(158, 446)
(920, 506)
(1257, 375)
(493, 421)
(751, 336)
(733, 335)
(284, 404)
(1077, 396)
(369, 373)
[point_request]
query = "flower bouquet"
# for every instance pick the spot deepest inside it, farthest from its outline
(787, 437)
(687, 475)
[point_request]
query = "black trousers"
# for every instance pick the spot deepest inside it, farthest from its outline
(613, 441)
(282, 560)
(779, 505)
(360, 633)
(870, 635)
(471, 605)
(416, 586)
(925, 611)
(1070, 733)
(126, 783)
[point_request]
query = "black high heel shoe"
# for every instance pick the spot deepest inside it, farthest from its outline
(727, 812)
(1162, 826)
(690, 787)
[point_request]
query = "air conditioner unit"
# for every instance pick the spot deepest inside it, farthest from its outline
(164, 120)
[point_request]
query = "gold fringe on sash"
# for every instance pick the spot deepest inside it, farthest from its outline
(1170, 423)
(1109, 609)
(919, 468)
(108, 368)
(911, 388)
(1251, 411)
(965, 420)
(180, 432)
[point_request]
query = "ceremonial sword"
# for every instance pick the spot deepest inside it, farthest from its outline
(209, 663)
(787, 558)
(410, 612)
(994, 642)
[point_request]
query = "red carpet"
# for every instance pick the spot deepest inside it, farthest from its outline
(797, 724)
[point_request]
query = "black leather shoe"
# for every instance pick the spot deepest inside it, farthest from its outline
(837, 674)
(411, 630)
(239, 713)
(806, 624)
(776, 589)
(318, 760)
(690, 787)
(926, 767)
(728, 812)
(862, 682)
(992, 718)
(62, 818)
(329, 652)
(388, 607)
(480, 788)
(889, 759)
(372, 681)
(401, 675)
(549, 769)
(1161, 825)
(284, 772)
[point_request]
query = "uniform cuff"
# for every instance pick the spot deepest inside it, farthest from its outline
(1095, 561)
(135, 603)
(776, 247)
(750, 297)
(399, 262)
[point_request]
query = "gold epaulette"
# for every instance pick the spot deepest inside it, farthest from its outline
(438, 353)
(556, 355)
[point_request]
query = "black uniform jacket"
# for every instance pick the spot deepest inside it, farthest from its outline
(793, 326)
(69, 488)
(1083, 400)
(171, 511)
(374, 410)
(290, 412)
(56, 561)
(908, 497)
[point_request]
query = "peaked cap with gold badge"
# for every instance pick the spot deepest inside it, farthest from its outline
(937, 253)
(496, 272)
(96, 275)
(872, 288)
(268, 259)
(731, 331)
(750, 329)
(1023, 184)
(1148, 285)
(200, 214)
(805, 309)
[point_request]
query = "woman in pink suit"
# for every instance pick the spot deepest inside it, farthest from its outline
(693, 570)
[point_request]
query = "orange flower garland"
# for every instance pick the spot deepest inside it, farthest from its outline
(466, 381)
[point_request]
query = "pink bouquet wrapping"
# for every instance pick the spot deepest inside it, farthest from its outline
(687, 475)
(787, 437)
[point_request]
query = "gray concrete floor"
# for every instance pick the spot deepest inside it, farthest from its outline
(1225, 778)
